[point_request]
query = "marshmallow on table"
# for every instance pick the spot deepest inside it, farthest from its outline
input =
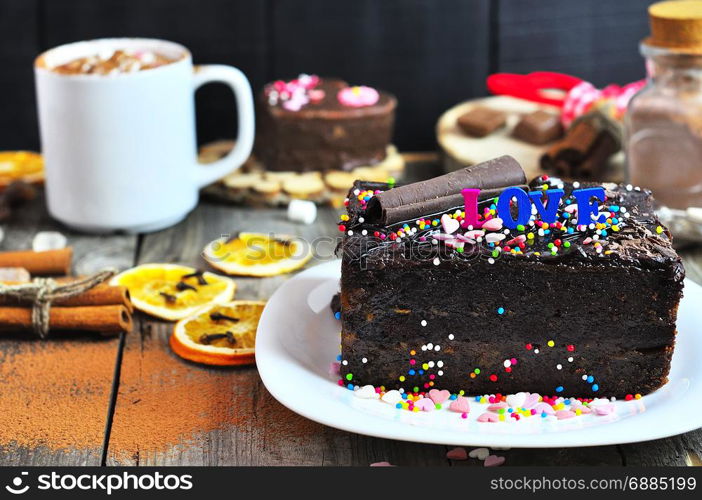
(48, 240)
(302, 211)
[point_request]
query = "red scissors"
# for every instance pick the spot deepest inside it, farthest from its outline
(535, 87)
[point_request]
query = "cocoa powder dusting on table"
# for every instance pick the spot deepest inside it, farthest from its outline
(165, 401)
(55, 394)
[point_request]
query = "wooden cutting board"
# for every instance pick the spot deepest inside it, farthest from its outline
(460, 150)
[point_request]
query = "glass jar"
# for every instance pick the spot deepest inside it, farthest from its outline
(663, 128)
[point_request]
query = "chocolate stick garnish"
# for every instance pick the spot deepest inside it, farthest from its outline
(444, 192)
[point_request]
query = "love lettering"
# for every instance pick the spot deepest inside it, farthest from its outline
(587, 200)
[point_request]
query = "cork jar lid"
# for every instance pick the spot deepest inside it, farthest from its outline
(676, 25)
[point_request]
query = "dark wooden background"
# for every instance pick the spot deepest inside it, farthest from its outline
(431, 54)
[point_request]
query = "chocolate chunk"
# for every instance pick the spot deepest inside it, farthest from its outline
(444, 192)
(480, 121)
(538, 128)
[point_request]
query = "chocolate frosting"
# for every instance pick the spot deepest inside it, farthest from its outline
(444, 192)
(637, 243)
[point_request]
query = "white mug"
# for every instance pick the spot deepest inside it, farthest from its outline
(120, 150)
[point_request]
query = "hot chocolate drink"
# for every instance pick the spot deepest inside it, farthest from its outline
(113, 62)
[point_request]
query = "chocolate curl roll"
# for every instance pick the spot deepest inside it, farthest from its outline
(444, 192)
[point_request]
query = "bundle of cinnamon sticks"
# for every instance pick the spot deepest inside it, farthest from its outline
(584, 151)
(104, 308)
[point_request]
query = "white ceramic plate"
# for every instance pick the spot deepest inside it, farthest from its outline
(298, 338)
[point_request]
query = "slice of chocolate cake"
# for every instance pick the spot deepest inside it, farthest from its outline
(581, 307)
(322, 124)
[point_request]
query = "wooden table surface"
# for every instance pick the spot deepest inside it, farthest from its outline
(264, 432)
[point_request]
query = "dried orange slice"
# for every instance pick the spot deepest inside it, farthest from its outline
(20, 165)
(223, 334)
(257, 254)
(172, 291)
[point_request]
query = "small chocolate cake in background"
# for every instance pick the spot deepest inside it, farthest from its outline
(315, 124)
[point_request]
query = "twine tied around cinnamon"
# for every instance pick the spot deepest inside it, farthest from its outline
(41, 292)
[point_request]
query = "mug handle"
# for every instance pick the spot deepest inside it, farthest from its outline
(209, 73)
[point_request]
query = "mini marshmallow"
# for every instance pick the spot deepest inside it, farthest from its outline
(302, 211)
(48, 240)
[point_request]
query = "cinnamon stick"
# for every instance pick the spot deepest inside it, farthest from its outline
(584, 151)
(571, 150)
(103, 319)
(101, 295)
(50, 262)
(580, 139)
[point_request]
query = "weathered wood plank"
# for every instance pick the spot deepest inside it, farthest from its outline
(262, 432)
(45, 396)
(682, 450)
